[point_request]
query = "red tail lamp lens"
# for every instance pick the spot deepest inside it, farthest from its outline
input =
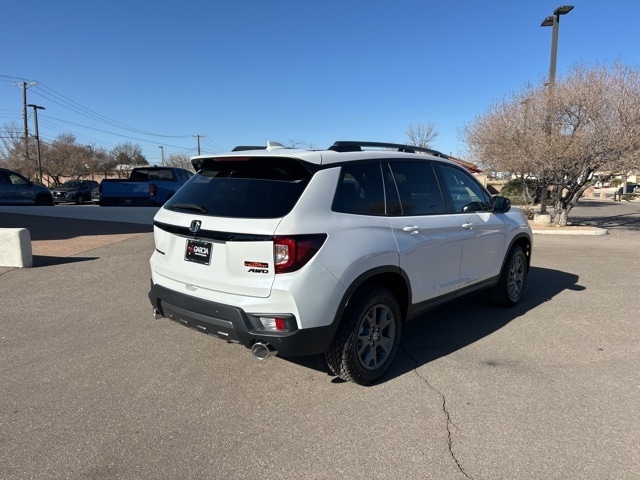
(292, 253)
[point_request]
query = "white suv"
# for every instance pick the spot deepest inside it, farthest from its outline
(302, 252)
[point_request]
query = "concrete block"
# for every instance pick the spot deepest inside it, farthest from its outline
(15, 247)
(542, 219)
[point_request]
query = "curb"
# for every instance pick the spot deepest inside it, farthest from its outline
(566, 231)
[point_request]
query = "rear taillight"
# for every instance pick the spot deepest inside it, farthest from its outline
(292, 253)
(153, 190)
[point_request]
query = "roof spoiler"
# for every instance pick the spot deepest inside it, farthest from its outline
(197, 162)
(270, 146)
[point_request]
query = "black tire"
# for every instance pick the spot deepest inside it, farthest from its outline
(368, 338)
(513, 278)
(79, 200)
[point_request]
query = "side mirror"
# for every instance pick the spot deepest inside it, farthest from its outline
(473, 207)
(501, 204)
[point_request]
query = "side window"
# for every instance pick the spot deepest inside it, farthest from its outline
(16, 179)
(360, 190)
(418, 188)
(466, 194)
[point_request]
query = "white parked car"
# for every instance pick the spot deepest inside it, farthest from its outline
(302, 252)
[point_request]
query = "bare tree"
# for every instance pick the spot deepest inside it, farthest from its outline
(103, 163)
(299, 144)
(64, 158)
(180, 161)
(126, 156)
(590, 121)
(12, 150)
(422, 135)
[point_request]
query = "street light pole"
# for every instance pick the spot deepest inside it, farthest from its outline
(554, 21)
(35, 119)
(162, 153)
(551, 21)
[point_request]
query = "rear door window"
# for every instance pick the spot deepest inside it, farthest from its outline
(360, 190)
(261, 187)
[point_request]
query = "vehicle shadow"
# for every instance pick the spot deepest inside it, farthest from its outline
(453, 326)
(48, 261)
(58, 228)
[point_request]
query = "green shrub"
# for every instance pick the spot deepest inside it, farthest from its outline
(513, 191)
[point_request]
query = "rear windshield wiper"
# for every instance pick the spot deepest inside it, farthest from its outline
(188, 206)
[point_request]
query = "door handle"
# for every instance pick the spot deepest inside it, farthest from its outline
(412, 229)
(467, 225)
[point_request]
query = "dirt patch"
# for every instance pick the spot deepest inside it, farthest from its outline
(73, 246)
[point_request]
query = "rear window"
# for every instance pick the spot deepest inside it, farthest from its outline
(262, 187)
(143, 174)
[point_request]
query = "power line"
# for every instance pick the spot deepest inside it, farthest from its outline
(51, 96)
(65, 102)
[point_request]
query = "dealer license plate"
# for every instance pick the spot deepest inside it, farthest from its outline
(198, 252)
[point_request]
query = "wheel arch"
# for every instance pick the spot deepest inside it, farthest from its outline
(391, 278)
(523, 241)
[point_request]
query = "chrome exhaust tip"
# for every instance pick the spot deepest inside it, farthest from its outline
(262, 351)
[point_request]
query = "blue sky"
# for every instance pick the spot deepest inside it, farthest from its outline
(156, 73)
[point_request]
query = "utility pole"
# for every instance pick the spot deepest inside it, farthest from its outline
(198, 137)
(162, 153)
(24, 84)
(35, 118)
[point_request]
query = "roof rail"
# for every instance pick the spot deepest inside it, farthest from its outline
(355, 146)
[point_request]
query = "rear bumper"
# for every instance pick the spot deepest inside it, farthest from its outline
(127, 201)
(234, 324)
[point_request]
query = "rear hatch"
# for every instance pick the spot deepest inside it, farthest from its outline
(125, 188)
(216, 233)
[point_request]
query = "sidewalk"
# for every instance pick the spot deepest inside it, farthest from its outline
(54, 238)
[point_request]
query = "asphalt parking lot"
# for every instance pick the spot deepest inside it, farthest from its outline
(92, 387)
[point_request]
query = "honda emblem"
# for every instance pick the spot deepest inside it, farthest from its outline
(195, 226)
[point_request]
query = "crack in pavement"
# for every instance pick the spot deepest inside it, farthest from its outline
(444, 410)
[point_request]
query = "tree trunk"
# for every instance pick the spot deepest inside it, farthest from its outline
(561, 216)
(561, 205)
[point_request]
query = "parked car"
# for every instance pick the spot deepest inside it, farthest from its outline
(95, 195)
(18, 190)
(631, 188)
(74, 191)
(146, 186)
(331, 251)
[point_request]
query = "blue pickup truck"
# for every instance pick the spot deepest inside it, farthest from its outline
(146, 186)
